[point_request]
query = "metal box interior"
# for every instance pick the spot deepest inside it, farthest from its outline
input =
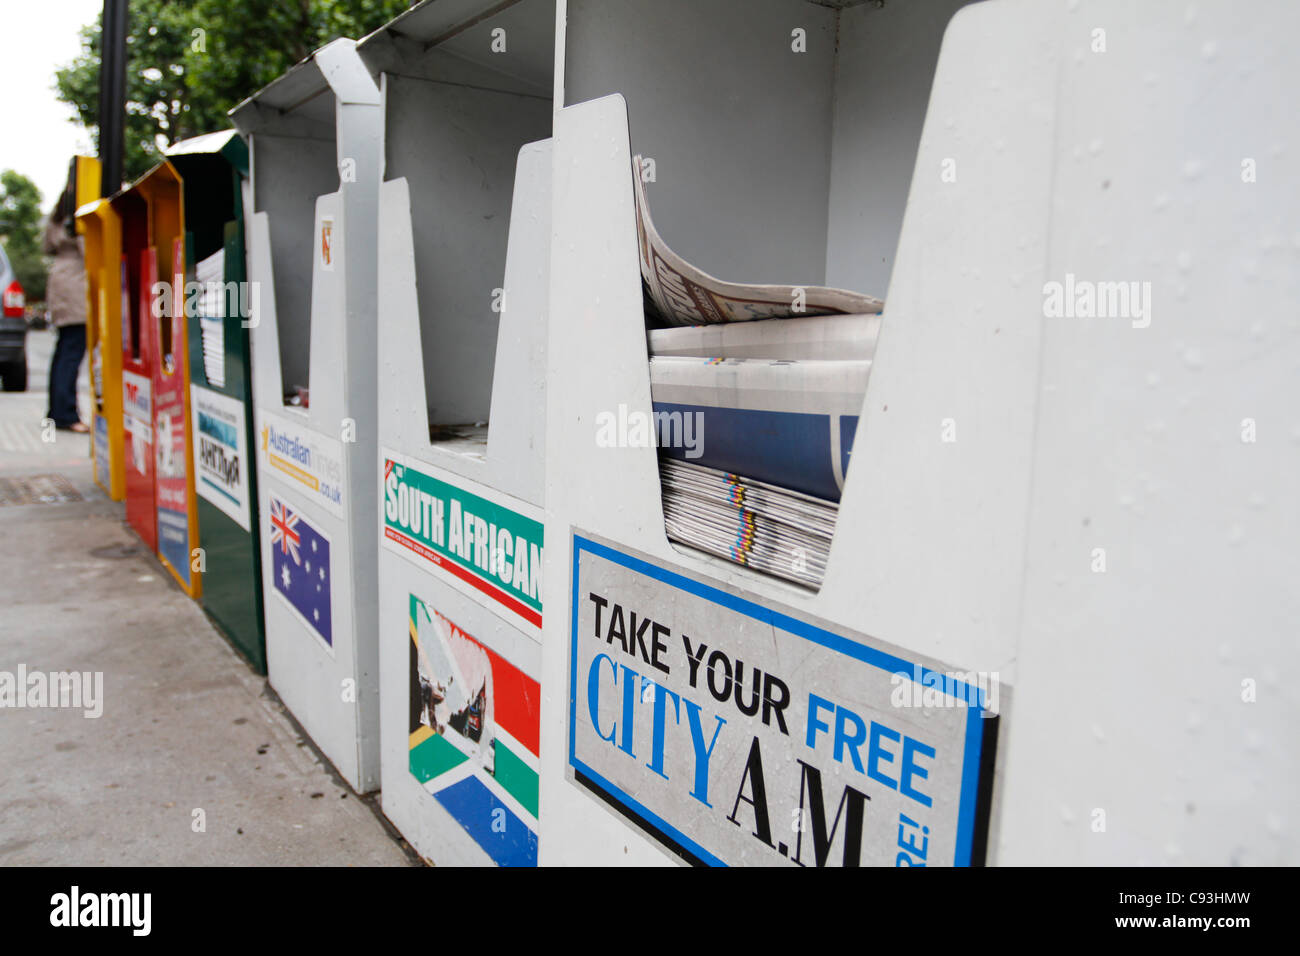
(462, 298)
(771, 165)
(294, 162)
(464, 88)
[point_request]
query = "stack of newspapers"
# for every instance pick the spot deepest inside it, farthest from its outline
(210, 274)
(750, 522)
(756, 392)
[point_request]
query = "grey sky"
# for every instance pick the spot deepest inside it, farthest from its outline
(37, 134)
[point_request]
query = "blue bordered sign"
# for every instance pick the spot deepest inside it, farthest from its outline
(739, 733)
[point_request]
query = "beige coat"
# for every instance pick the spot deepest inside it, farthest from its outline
(65, 289)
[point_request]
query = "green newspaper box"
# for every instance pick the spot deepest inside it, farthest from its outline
(214, 169)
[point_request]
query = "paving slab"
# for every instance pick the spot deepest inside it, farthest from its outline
(192, 760)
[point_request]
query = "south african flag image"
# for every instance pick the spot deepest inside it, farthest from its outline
(474, 725)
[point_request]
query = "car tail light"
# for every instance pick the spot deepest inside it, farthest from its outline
(15, 301)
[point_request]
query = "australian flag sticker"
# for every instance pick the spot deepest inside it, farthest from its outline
(300, 562)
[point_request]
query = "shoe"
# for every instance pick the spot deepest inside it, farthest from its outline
(81, 428)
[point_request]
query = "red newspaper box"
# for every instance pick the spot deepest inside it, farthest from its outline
(155, 383)
(139, 358)
(173, 477)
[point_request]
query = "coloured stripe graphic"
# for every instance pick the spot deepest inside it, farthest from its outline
(483, 543)
(474, 727)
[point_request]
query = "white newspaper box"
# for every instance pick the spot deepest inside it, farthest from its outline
(1053, 626)
(778, 142)
(464, 240)
(314, 140)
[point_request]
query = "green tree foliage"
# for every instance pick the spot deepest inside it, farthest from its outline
(190, 61)
(157, 96)
(250, 43)
(20, 228)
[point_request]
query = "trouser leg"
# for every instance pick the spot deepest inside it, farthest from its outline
(68, 353)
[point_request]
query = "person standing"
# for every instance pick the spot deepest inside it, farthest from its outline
(65, 296)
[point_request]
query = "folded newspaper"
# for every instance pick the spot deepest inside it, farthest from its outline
(752, 523)
(822, 337)
(764, 384)
(210, 273)
(683, 295)
(788, 423)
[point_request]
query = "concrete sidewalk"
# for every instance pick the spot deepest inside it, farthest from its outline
(188, 733)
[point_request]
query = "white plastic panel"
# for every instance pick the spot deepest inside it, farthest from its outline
(1156, 690)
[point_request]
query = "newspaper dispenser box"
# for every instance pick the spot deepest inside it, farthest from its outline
(155, 419)
(676, 681)
(464, 237)
(1045, 542)
(214, 169)
(137, 357)
(314, 141)
(155, 380)
(102, 230)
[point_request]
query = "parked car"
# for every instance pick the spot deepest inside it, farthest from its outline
(13, 330)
